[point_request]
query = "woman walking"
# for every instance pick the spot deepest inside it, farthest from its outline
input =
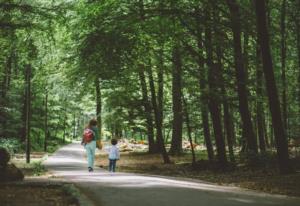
(90, 136)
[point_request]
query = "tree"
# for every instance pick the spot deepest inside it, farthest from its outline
(241, 77)
(176, 145)
(279, 131)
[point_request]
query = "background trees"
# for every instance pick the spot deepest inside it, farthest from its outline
(145, 68)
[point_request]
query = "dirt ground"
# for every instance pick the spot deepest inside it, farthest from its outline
(35, 195)
(26, 193)
(263, 179)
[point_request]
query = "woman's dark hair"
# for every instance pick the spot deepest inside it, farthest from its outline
(114, 141)
(93, 123)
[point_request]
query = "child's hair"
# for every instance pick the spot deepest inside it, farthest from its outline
(114, 141)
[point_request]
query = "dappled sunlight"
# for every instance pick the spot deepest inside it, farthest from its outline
(73, 149)
(71, 164)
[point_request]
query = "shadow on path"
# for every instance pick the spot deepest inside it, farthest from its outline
(124, 189)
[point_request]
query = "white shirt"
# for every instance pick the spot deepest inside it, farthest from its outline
(113, 152)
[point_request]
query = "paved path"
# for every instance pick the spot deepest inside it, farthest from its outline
(123, 189)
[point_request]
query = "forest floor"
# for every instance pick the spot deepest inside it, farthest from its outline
(266, 178)
(35, 194)
(39, 190)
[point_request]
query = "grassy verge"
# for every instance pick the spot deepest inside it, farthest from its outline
(266, 179)
(37, 156)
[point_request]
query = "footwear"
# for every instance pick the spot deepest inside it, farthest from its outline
(90, 169)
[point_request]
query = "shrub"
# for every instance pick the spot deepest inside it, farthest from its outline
(12, 145)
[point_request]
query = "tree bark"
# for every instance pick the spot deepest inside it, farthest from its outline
(160, 92)
(148, 111)
(176, 145)
(98, 105)
(159, 132)
(283, 64)
(65, 122)
(297, 25)
(214, 102)
(203, 90)
(259, 103)
(46, 122)
(189, 130)
(227, 117)
(28, 112)
(241, 77)
(279, 131)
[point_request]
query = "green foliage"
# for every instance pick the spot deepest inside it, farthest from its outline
(71, 44)
(12, 145)
(38, 169)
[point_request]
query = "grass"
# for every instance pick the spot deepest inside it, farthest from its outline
(263, 177)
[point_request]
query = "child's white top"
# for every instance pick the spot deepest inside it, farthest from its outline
(113, 152)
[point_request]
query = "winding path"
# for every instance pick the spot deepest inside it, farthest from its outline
(124, 189)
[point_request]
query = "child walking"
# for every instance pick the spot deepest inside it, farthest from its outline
(113, 155)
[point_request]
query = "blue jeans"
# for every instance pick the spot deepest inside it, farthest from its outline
(90, 152)
(112, 165)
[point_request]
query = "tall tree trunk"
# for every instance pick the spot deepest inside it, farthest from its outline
(189, 130)
(148, 111)
(98, 105)
(176, 145)
(259, 103)
(159, 132)
(246, 55)
(74, 126)
(280, 135)
(227, 116)
(214, 101)
(46, 121)
(241, 77)
(297, 25)
(160, 81)
(203, 90)
(65, 122)
(28, 112)
(283, 64)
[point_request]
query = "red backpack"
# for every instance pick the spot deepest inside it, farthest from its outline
(88, 135)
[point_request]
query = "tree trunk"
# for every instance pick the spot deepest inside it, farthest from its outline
(148, 111)
(214, 102)
(176, 145)
(279, 131)
(189, 130)
(160, 93)
(297, 25)
(65, 122)
(241, 77)
(227, 117)
(74, 126)
(46, 121)
(259, 103)
(159, 133)
(203, 97)
(98, 105)
(283, 64)
(28, 112)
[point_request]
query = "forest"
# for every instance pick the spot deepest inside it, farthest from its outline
(224, 74)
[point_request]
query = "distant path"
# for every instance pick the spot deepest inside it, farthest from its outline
(123, 189)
